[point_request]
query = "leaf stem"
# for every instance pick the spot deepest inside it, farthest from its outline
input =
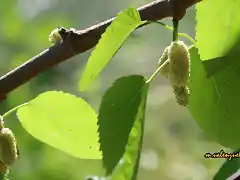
(13, 109)
(175, 30)
(171, 29)
(156, 72)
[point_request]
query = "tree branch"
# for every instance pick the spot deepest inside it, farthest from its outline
(84, 40)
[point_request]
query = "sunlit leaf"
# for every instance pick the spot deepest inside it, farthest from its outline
(214, 100)
(110, 42)
(63, 121)
(217, 26)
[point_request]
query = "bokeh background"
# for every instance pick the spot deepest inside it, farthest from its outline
(174, 146)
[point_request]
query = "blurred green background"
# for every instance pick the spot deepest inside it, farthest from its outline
(174, 145)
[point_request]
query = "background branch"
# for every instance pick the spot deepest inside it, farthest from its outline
(84, 40)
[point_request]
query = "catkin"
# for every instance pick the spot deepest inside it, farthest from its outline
(8, 147)
(179, 63)
(177, 69)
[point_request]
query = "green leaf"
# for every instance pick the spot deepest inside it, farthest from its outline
(110, 42)
(122, 108)
(214, 100)
(217, 27)
(63, 121)
(230, 60)
(128, 168)
(228, 168)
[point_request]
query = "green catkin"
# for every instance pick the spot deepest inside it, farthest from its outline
(9, 152)
(165, 70)
(8, 147)
(181, 95)
(179, 64)
(177, 70)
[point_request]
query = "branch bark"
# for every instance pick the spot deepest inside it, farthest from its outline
(84, 40)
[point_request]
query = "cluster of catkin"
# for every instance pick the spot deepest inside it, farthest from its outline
(8, 148)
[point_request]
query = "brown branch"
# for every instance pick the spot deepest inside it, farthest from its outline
(84, 40)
